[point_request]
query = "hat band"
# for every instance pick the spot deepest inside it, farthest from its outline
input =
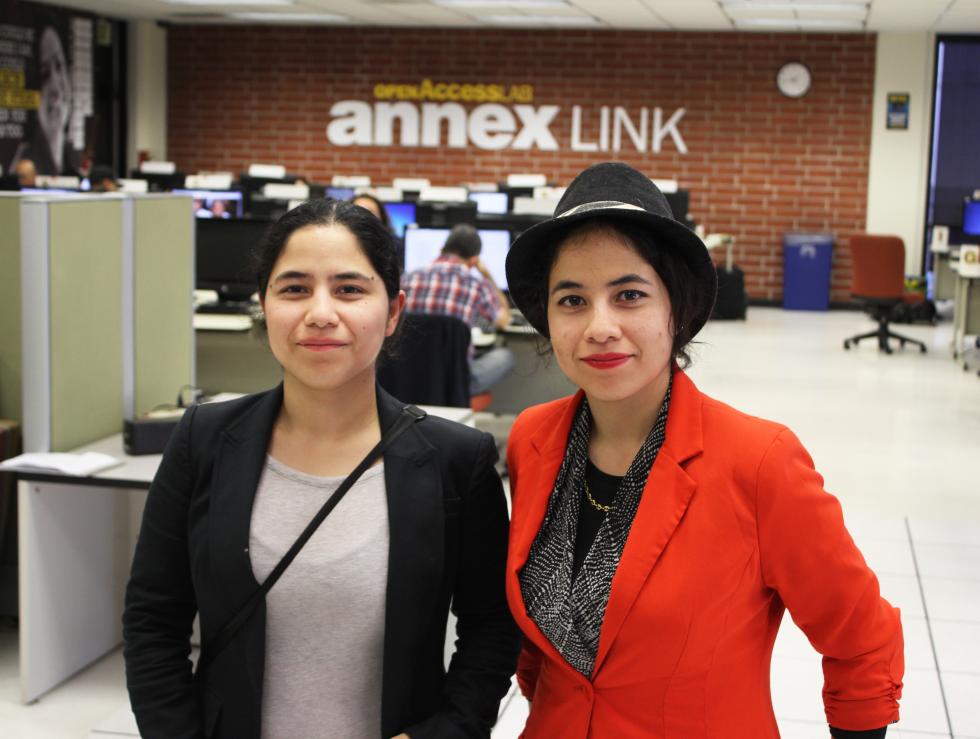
(599, 205)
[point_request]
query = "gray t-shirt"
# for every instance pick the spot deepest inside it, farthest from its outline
(324, 636)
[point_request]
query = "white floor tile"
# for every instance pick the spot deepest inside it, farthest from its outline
(918, 647)
(902, 591)
(948, 599)
(928, 529)
(888, 556)
(957, 561)
(957, 646)
(963, 697)
(921, 707)
(797, 687)
(802, 729)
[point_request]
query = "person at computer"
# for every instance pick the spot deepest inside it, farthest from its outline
(370, 203)
(657, 534)
(449, 286)
(102, 179)
(349, 642)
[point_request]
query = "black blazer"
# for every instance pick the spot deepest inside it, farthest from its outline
(448, 540)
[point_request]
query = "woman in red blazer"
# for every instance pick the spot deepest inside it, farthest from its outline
(657, 534)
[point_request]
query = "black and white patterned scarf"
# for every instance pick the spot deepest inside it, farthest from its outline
(570, 611)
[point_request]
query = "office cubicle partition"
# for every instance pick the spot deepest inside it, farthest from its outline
(10, 354)
(71, 308)
(158, 311)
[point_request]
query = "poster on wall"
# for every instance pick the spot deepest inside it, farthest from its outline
(898, 110)
(46, 88)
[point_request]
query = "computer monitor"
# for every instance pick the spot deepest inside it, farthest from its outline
(496, 244)
(215, 203)
(971, 217)
(494, 203)
(340, 193)
(160, 182)
(402, 215)
(423, 245)
(444, 215)
(224, 255)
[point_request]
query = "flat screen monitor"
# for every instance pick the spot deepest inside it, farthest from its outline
(490, 202)
(971, 217)
(215, 203)
(402, 215)
(223, 255)
(496, 244)
(340, 193)
(423, 245)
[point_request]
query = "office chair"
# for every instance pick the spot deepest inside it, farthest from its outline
(431, 365)
(878, 282)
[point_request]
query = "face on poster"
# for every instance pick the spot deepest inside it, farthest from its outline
(46, 68)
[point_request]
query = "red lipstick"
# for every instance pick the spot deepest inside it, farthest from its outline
(606, 361)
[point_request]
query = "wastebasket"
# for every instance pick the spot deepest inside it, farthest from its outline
(806, 270)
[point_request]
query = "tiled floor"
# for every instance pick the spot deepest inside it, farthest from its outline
(897, 439)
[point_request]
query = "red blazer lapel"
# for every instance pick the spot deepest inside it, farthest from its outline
(666, 496)
(538, 472)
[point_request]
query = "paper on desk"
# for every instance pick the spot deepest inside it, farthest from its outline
(82, 465)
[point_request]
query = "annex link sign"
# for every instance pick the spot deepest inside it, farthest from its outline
(493, 125)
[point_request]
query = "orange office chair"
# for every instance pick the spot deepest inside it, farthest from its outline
(878, 282)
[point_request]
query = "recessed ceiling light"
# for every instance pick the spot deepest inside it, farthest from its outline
(801, 24)
(229, 2)
(294, 18)
(831, 5)
(574, 21)
(531, 4)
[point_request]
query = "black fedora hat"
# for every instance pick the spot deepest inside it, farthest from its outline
(610, 190)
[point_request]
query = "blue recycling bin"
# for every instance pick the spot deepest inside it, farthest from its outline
(806, 270)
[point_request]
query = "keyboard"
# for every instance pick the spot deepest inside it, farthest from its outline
(226, 308)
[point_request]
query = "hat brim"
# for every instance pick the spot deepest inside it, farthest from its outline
(529, 249)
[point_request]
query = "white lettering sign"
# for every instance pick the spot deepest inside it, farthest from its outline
(493, 126)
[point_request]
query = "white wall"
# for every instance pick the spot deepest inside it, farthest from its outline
(147, 91)
(898, 177)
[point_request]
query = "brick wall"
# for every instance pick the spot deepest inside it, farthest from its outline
(758, 164)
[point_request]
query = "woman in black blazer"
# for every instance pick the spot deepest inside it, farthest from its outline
(329, 283)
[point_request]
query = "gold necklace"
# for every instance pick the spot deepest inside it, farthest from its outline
(598, 506)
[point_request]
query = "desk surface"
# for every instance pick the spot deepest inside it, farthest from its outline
(137, 472)
(222, 322)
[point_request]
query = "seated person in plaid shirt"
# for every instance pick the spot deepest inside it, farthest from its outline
(448, 287)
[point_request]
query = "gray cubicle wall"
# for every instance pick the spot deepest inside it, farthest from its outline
(10, 355)
(158, 310)
(71, 303)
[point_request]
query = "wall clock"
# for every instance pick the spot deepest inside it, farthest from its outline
(794, 79)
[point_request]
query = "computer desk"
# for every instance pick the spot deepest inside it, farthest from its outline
(966, 312)
(76, 540)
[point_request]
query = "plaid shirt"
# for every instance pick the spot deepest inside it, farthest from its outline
(448, 288)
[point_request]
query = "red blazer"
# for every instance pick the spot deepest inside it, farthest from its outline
(733, 527)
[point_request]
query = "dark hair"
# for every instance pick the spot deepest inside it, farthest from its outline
(463, 241)
(385, 218)
(376, 241)
(687, 294)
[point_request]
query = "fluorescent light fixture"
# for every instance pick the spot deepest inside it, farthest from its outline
(295, 18)
(831, 5)
(801, 24)
(519, 4)
(573, 21)
(229, 2)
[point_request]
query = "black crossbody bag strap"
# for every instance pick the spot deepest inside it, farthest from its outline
(409, 415)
